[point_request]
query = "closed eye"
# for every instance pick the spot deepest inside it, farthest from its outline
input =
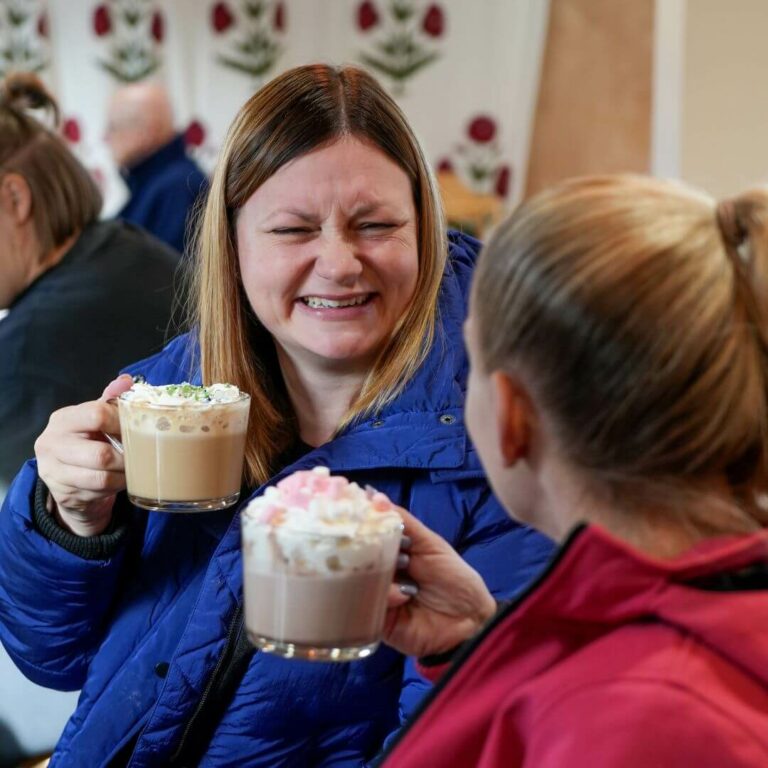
(290, 231)
(373, 225)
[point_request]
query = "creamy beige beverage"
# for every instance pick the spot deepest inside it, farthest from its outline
(319, 555)
(184, 445)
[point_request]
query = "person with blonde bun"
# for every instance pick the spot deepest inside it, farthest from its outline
(326, 287)
(618, 397)
(84, 297)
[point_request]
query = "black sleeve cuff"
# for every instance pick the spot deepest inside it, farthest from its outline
(100, 547)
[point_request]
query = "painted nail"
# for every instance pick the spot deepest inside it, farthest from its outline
(411, 590)
(402, 561)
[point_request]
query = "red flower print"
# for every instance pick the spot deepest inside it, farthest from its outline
(434, 21)
(280, 17)
(71, 130)
(444, 165)
(42, 25)
(482, 129)
(502, 181)
(102, 23)
(194, 136)
(367, 15)
(221, 17)
(158, 26)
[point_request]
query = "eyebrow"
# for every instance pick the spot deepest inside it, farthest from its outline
(364, 210)
(303, 215)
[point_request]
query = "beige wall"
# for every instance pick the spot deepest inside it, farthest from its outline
(594, 108)
(724, 141)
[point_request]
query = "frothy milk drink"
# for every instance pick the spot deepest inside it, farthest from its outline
(319, 554)
(184, 445)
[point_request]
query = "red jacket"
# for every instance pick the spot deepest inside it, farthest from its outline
(613, 659)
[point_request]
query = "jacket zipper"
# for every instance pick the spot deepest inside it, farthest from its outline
(225, 654)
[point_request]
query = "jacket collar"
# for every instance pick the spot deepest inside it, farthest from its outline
(155, 163)
(597, 583)
(597, 578)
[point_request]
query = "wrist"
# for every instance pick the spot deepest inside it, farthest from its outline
(94, 524)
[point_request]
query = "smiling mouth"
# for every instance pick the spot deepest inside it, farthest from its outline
(317, 302)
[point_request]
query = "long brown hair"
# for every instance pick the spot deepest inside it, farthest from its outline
(301, 110)
(64, 196)
(637, 309)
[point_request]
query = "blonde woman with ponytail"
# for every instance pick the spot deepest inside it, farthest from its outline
(326, 287)
(618, 337)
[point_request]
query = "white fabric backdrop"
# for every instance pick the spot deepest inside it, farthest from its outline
(488, 55)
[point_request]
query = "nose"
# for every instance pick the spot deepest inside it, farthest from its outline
(337, 261)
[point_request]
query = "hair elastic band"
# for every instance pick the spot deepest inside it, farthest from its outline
(731, 230)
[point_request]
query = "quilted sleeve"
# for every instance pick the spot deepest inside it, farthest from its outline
(53, 603)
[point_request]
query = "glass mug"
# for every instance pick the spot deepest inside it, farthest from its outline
(316, 596)
(183, 458)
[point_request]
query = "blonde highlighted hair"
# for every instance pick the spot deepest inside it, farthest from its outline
(301, 110)
(637, 310)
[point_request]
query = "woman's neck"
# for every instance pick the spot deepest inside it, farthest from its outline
(661, 527)
(320, 397)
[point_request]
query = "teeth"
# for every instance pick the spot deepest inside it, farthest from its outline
(317, 303)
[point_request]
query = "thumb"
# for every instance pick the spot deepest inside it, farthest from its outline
(117, 386)
(422, 537)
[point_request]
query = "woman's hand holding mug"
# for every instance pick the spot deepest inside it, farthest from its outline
(82, 470)
(448, 604)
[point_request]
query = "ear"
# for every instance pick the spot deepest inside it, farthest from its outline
(513, 417)
(16, 197)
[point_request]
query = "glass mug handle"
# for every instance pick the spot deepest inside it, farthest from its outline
(111, 439)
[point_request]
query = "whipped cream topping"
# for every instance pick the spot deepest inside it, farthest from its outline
(183, 394)
(312, 522)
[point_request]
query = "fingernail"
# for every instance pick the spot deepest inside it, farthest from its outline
(411, 590)
(402, 561)
(405, 542)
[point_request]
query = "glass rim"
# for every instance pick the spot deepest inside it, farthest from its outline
(191, 405)
(248, 517)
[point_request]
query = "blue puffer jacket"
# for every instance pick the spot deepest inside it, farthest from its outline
(141, 632)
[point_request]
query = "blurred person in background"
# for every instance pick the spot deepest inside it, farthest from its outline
(618, 397)
(83, 297)
(327, 288)
(164, 183)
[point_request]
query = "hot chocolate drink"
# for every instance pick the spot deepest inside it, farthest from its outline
(183, 445)
(319, 554)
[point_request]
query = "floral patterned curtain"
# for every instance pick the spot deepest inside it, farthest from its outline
(466, 73)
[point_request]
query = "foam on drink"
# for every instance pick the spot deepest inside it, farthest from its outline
(184, 444)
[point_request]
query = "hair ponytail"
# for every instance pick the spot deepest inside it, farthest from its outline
(22, 91)
(743, 224)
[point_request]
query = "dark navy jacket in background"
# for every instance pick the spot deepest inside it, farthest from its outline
(163, 190)
(165, 600)
(107, 302)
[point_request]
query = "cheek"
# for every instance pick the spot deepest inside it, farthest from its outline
(470, 409)
(478, 416)
(404, 274)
